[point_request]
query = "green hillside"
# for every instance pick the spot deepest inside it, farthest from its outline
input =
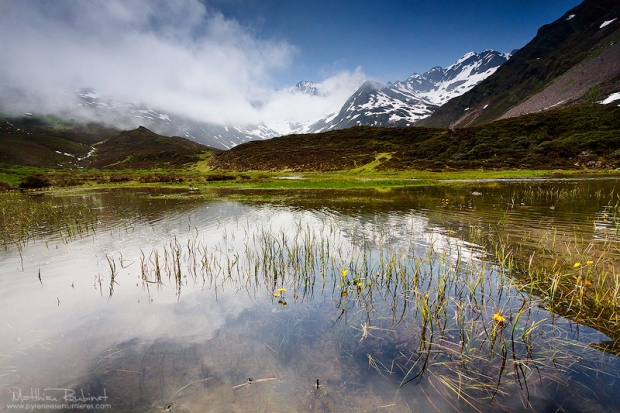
(44, 142)
(142, 149)
(54, 152)
(574, 138)
(47, 142)
(33, 146)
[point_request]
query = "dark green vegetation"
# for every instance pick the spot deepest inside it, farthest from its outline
(41, 142)
(45, 142)
(50, 151)
(557, 47)
(43, 152)
(143, 149)
(574, 138)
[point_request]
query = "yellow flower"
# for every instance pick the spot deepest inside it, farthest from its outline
(589, 262)
(587, 282)
(281, 290)
(276, 295)
(577, 265)
(344, 273)
(500, 319)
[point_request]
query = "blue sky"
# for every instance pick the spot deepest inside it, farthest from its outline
(230, 61)
(390, 39)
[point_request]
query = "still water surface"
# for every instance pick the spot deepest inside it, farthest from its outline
(310, 301)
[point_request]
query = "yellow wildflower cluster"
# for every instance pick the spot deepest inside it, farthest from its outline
(498, 318)
(280, 293)
(578, 263)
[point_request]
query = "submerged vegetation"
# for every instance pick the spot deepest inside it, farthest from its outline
(24, 219)
(465, 322)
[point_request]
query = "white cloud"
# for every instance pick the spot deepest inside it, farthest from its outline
(291, 106)
(176, 56)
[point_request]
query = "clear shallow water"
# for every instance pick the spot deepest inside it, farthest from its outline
(170, 304)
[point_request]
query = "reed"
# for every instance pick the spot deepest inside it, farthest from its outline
(27, 218)
(473, 326)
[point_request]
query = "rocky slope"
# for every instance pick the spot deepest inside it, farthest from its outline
(572, 61)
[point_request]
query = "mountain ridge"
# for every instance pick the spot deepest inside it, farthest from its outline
(403, 103)
(393, 104)
(577, 36)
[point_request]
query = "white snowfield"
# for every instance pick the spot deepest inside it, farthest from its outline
(606, 23)
(611, 98)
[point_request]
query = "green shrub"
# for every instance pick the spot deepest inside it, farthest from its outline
(35, 182)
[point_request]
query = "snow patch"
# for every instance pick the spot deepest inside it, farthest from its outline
(570, 17)
(611, 98)
(552, 106)
(89, 94)
(89, 154)
(65, 153)
(607, 23)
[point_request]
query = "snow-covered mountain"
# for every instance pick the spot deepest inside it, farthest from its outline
(404, 103)
(128, 115)
(307, 87)
(440, 85)
(394, 104)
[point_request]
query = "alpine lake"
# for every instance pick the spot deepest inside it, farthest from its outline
(457, 297)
